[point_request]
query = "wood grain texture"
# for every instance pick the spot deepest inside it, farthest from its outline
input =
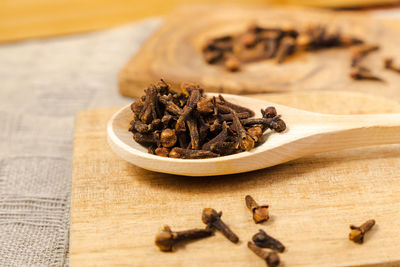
(117, 208)
(174, 53)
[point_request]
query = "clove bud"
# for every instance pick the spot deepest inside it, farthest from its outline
(166, 238)
(263, 240)
(260, 213)
(357, 233)
(271, 258)
(213, 220)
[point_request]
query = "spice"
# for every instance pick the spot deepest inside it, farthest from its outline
(168, 138)
(269, 112)
(161, 151)
(388, 64)
(287, 48)
(166, 238)
(258, 43)
(362, 73)
(270, 257)
(213, 220)
(232, 64)
(263, 240)
(357, 233)
(359, 72)
(260, 213)
(360, 52)
(190, 125)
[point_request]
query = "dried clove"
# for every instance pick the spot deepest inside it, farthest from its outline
(213, 220)
(244, 140)
(357, 233)
(360, 52)
(260, 213)
(270, 257)
(248, 39)
(183, 153)
(168, 138)
(166, 239)
(148, 112)
(161, 151)
(278, 124)
(269, 112)
(220, 138)
(389, 64)
(194, 133)
(287, 48)
(232, 64)
(263, 240)
(237, 108)
(272, 40)
(362, 73)
(194, 98)
(205, 106)
(190, 125)
(256, 132)
(146, 138)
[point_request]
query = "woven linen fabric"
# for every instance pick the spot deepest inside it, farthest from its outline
(43, 84)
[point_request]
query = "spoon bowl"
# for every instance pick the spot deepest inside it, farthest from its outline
(307, 133)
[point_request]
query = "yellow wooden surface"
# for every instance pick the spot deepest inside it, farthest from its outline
(21, 19)
(117, 208)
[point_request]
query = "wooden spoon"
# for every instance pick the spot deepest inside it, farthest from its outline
(307, 133)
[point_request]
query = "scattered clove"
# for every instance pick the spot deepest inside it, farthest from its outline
(190, 125)
(260, 213)
(232, 64)
(360, 52)
(389, 64)
(166, 238)
(287, 48)
(270, 257)
(357, 233)
(263, 240)
(362, 73)
(213, 220)
(358, 72)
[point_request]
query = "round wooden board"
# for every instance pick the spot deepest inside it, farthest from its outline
(174, 53)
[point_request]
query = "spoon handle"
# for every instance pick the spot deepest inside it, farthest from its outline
(363, 130)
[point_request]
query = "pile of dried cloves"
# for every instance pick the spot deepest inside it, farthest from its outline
(258, 43)
(190, 125)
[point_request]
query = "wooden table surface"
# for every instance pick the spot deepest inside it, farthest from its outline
(23, 19)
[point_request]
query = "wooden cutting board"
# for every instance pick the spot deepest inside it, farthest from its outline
(174, 53)
(117, 208)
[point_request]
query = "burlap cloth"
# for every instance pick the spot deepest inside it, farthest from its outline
(43, 84)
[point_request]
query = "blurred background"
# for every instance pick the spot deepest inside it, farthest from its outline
(21, 19)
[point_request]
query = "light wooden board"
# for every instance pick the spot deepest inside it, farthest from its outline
(174, 53)
(117, 208)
